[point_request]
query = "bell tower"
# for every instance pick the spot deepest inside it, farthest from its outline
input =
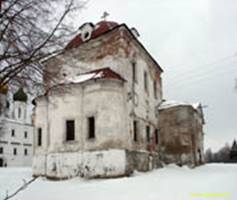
(20, 102)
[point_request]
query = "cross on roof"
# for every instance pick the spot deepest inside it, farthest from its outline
(105, 15)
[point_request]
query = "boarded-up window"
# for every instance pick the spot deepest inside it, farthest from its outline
(39, 139)
(70, 130)
(91, 127)
(148, 133)
(135, 130)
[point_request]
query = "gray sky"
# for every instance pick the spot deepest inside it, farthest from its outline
(195, 42)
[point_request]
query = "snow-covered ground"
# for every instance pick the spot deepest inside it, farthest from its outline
(169, 183)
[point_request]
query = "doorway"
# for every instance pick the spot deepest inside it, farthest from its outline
(199, 156)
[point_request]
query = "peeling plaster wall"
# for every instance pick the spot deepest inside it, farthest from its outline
(114, 106)
(103, 100)
(89, 164)
(94, 164)
(118, 50)
(181, 135)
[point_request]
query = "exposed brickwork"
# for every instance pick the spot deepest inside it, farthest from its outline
(100, 28)
(181, 135)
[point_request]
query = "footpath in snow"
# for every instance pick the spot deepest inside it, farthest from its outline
(169, 183)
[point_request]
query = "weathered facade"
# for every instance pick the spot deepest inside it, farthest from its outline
(16, 130)
(99, 116)
(181, 133)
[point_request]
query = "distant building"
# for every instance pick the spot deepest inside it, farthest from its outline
(16, 131)
(181, 133)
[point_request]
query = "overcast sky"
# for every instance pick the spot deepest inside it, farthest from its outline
(195, 42)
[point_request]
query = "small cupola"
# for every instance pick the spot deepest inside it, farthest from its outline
(86, 31)
(20, 95)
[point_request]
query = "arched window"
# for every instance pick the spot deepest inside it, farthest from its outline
(19, 112)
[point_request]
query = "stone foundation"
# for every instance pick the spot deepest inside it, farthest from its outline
(183, 159)
(143, 161)
(94, 164)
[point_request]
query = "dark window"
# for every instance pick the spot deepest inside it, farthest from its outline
(15, 151)
(25, 152)
(13, 133)
(91, 127)
(86, 35)
(19, 112)
(155, 88)
(134, 72)
(25, 134)
(8, 104)
(156, 136)
(39, 142)
(145, 82)
(135, 130)
(148, 133)
(70, 130)
(1, 150)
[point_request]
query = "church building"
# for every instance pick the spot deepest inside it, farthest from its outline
(16, 130)
(99, 114)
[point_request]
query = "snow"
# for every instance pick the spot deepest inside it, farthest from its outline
(171, 103)
(84, 77)
(169, 183)
(12, 178)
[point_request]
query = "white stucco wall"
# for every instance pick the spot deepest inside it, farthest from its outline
(146, 113)
(18, 142)
(16, 118)
(102, 99)
(110, 102)
(106, 163)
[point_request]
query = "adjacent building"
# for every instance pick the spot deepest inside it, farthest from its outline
(16, 130)
(181, 133)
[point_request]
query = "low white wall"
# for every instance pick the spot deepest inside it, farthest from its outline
(39, 165)
(106, 163)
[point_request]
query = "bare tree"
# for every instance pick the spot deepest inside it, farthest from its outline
(209, 155)
(222, 155)
(32, 30)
